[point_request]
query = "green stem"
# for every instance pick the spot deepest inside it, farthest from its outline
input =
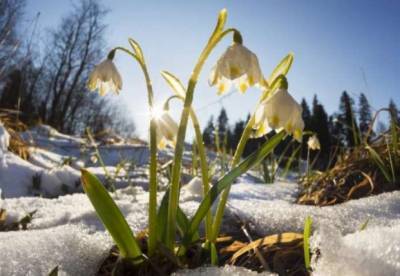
(152, 241)
(224, 197)
(203, 165)
(203, 158)
(176, 171)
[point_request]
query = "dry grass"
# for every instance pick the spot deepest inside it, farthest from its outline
(369, 169)
(13, 125)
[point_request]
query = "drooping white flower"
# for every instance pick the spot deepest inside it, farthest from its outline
(313, 143)
(105, 77)
(167, 128)
(279, 111)
(238, 65)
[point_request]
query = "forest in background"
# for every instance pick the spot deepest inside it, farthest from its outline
(337, 133)
(43, 80)
(43, 74)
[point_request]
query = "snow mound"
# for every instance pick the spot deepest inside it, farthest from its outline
(373, 251)
(72, 248)
(220, 271)
(271, 208)
(76, 209)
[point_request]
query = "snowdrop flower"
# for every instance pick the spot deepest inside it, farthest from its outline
(279, 111)
(313, 143)
(239, 65)
(167, 128)
(105, 77)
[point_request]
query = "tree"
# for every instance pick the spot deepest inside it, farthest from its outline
(347, 118)
(76, 45)
(10, 14)
(306, 115)
(224, 133)
(320, 125)
(364, 114)
(208, 133)
(394, 112)
(237, 133)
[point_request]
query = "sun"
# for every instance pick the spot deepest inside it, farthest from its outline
(157, 112)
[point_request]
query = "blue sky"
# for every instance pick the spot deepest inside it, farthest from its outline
(338, 45)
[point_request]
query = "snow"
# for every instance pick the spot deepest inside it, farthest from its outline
(66, 232)
(373, 251)
(220, 271)
(73, 248)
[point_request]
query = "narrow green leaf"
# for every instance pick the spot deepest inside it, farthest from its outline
(174, 83)
(282, 68)
(181, 220)
(228, 179)
(290, 161)
(110, 215)
(379, 162)
(136, 48)
(395, 140)
(306, 242)
(220, 23)
(54, 271)
(364, 225)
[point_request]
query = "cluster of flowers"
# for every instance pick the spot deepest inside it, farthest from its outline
(238, 66)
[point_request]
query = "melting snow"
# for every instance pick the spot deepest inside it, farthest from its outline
(66, 232)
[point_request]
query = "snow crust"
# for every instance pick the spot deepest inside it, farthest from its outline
(72, 248)
(220, 271)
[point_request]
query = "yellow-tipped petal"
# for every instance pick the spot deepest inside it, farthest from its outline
(243, 87)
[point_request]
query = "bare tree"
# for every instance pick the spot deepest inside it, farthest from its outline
(75, 46)
(50, 86)
(10, 15)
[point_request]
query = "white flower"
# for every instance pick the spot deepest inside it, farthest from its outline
(167, 128)
(105, 77)
(279, 111)
(313, 143)
(237, 64)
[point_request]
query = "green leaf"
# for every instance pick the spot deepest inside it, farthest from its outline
(290, 161)
(220, 23)
(227, 180)
(174, 83)
(379, 162)
(364, 225)
(282, 68)
(181, 219)
(111, 216)
(137, 49)
(54, 271)
(306, 242)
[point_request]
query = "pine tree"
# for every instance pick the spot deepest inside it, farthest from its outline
(208, 133)
(237, 133)
(365, 116)
(394, 112)
(225, 135)
(347, 118)
(320, 125)
(306, 114)
(307, 125)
